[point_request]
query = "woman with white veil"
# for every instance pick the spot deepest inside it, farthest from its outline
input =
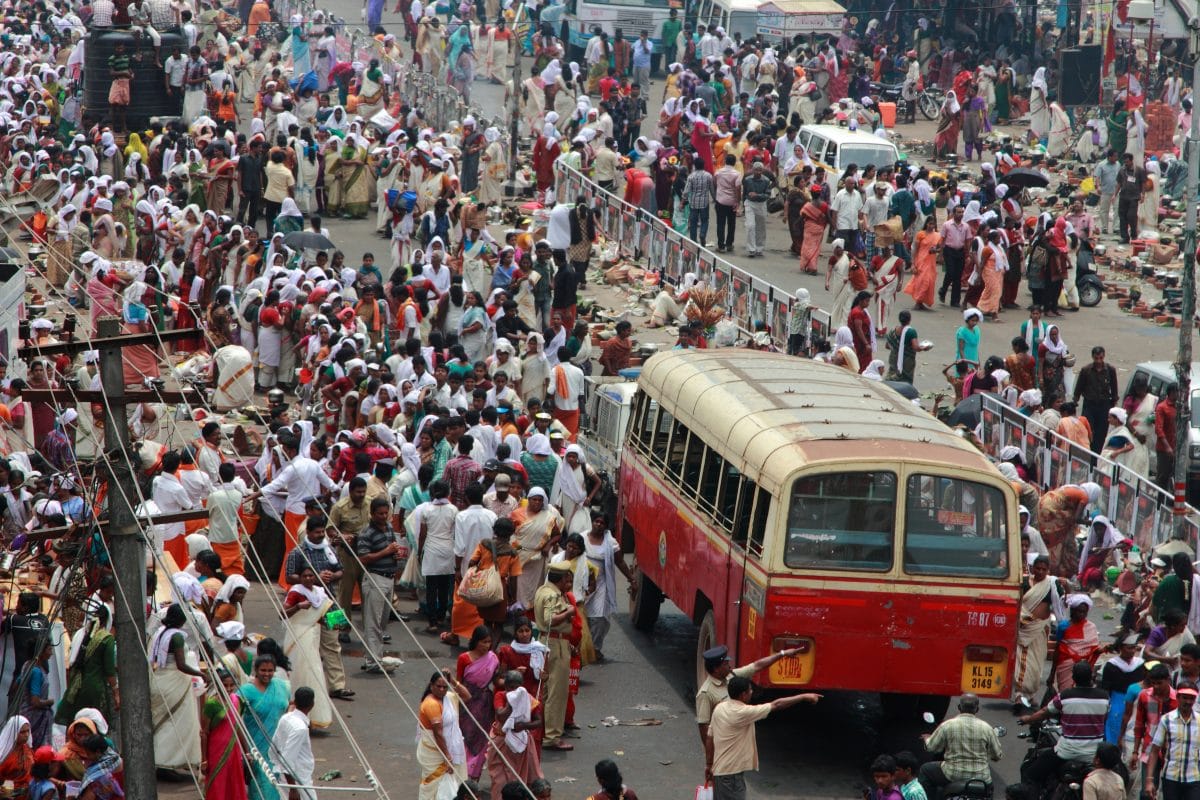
(1148, 208)
(1039, 107)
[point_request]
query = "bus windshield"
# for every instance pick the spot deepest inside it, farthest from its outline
(842, 520)
(954, 527)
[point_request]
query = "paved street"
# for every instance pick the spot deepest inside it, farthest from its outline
(820, 752)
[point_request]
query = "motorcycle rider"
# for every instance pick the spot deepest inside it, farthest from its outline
(966, 743)
(1082, 710)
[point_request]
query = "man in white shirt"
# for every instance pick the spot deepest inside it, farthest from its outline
(301, 479)
(169, 495)
(195, 481)
(293, 747)
(566, 404)
(595, 47)
(472, 525)
(437, 273)
(558, 230)
(709, 45)
(847, 207)
(208, 453)
(223, 504)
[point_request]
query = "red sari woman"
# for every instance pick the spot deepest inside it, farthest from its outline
(222, 751)
(191, 289)
(702, 135)
(815, 216)
(862, 329)
(16, 755)
(945, 141)
(546, 151)
(221, 171)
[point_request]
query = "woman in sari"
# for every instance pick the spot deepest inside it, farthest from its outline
(441, 751)
(1058, 140)
(1120, 445)
(815, 214)
(73, 753)
(353, 191)
(514, 754)
(474, 329)
(1004, 88)
(1039, 108)
(539, 526)
(99, 778)
(262, 702)
(1078, 641)
(797, 198)
(304, 608)
(495, 168)
(1102, 539)
(992, 268)
(1117, 125)
(924, 280)
(1058, 514)
(173, 705)
(370, 92)
(1052, 355)
(945, 141)
(223, 757)
(1039, 598)
(221, 173)
(569, 492)
(93, 674)
(16, 755)
(290, 219)
(476, 668)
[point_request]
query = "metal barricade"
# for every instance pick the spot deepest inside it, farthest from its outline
(1135, 504)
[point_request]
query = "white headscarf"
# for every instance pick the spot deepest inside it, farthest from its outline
(8, 734)
(1059, 348)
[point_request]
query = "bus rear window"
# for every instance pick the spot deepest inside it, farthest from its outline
(844, 520)
(954, 527)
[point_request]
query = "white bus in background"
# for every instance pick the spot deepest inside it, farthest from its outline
(735, 16)
(631, 16)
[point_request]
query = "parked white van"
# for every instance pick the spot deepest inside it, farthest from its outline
(833, 148)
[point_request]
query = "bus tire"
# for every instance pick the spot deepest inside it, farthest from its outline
(935, 704)
(706, 639)
(645, 603)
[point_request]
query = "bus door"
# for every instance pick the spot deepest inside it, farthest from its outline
(743, 597)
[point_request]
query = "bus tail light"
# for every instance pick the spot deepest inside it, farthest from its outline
(984, 669)
(796, 670)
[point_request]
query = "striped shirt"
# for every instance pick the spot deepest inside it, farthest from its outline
(1178, 743)
(1082, 712)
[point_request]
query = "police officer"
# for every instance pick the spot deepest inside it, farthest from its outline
(553, 614)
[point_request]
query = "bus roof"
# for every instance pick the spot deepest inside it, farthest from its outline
(775, 413)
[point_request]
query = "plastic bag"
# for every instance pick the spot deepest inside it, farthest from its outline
(726, 333)
(704, 792)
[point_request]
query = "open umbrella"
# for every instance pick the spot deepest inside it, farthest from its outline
(906, 389)
(968, 411)
(1024, 178)
(308, 240)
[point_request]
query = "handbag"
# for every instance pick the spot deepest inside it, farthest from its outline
(482, 587)
(1069, 359)
(774, 200)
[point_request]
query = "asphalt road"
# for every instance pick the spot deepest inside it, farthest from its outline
(815, 752)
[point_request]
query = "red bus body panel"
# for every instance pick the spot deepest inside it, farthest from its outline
(868, 633)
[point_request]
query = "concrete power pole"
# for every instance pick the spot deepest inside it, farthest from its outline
(127, 549)
(1183, 364)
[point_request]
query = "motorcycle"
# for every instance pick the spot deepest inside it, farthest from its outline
(1087, 282)
(1068, 783)
(928, 101)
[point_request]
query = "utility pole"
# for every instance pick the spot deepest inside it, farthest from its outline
(514, 114)
(1183, 364)
(127, 550)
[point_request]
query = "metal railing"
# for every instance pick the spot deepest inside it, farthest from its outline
(1137, 507)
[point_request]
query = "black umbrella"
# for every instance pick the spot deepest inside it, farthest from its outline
(906, 389)
(1024, 178)
(967, 412)
(308, 240)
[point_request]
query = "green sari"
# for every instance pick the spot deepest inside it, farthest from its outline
(353, 192)
(1117, 135)
(261, 712)
(88, 685)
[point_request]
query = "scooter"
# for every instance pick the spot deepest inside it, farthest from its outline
(1087, 282)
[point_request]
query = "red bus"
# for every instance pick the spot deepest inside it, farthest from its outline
(784, 503)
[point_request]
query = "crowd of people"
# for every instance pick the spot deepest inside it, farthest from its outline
(421, 409)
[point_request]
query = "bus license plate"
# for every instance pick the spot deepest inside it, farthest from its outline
(983, 677)
(795, 671)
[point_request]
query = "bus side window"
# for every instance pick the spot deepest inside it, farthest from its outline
(758, 525)
(675, 451)
(726, 496)
(710, 480)
(643, 421)
(662, 435)
(743, 518)
(692, 460)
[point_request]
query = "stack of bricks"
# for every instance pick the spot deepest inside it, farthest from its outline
(1160, 128)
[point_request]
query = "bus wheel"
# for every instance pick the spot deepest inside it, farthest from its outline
(936, 704)
(706, 640)
(644, 605)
